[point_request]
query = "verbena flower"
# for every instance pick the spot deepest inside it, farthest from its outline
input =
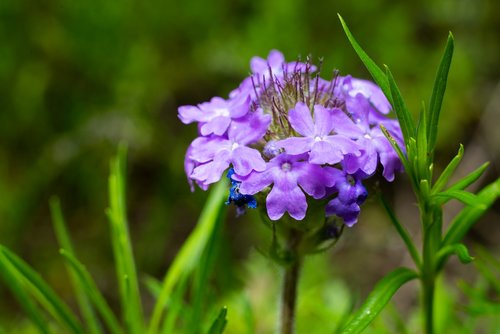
(293, 137)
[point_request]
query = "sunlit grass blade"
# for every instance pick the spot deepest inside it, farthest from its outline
(438, 92)
(402, 233)
(202, 275)
(39, 289)
(448, 171)
(219, 324)
(189, 255)
(469, 215)
(470, 179)
(65, 242)
(461, 195)
(405, 119)
(122, 247)
(376, 72)
(378, 298)
(14, 283)
(88, 286)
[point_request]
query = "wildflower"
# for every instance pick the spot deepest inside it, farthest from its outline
(293, 137)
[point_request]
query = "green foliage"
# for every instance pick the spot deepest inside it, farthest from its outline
(418, 161)
(195, 261)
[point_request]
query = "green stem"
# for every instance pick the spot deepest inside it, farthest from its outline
(290, 283)
(428, 303)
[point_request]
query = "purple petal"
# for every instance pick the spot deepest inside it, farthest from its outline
(315, 179)
(217, 125)
(211, 172)
(203, 149)
(289, 199)
(254, 182)
(342, 124)
(372, 92)
(344, 145)
(323, 122)
(240, 106)
(296, 145)
(349, 213)
(246, 159)
(250, 128)
(323, 152)
(301, 120)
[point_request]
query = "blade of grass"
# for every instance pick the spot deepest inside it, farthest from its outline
(375, 71)
(378, 298)
(8, 272)
(470, 179)
(40, 290)
(122, 247)
(438, 92)
(220, 322)
(470, 214)
(190, 252)
(405, 119)
(65, 242)
(448, 171)
(88, 286)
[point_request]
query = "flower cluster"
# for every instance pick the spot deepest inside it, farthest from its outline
(291, 135)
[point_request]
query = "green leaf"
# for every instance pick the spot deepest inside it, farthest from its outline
(402, 157)
(375, 71)
(88, 286)
(220, 322)
(469, 215)
(122, 247)
(405, 119)
(14, 283)
(470, 179)
(41, 291)
(189, 255)
(459, 249)
(461, 195)
(65, 242)
(438, 92)
(378, 298)
(422, 150)
(402, 233)
(448, 171)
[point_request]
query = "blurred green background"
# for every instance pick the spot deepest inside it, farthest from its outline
(79, 77)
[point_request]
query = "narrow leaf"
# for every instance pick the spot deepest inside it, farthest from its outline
(422, 149)
(375, 71)
(402, 232)
(8, 272)
(448, 171)
(40, 290)
(65, 242)
(122, 246)
(88, 285)
(459, 249)
(469, 215)
(461, 195)
(438, 92)
(399, 105)
(470, 179)
(191, 251)
(220, 322)
(378, 298)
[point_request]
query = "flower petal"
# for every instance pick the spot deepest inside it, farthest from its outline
(217, 125)
(246, 159)
(296, 145)
(289, 199)
(254, 182)
(301, 120)
(323, 122)
(323, 152)
(211, 172)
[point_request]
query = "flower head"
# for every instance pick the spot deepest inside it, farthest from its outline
(293, 137)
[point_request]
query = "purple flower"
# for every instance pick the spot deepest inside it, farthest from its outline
(348, 212)
(215, 116)
(214, 154)
(375, 146)
(291, 176)
(317, 139)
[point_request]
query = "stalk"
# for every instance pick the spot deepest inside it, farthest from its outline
(290, 283)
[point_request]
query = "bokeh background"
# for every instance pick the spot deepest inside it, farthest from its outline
(79, 77)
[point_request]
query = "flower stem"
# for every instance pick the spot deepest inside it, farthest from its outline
(290, 283)
(428, 303)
